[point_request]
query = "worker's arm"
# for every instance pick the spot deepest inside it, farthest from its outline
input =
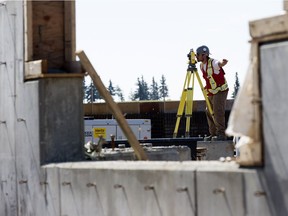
(222, 63)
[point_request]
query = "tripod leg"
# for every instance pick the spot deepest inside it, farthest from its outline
(179, 113)
(210, 110)
(182, 103)
(189, 107)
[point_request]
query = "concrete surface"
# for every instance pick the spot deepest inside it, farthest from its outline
(125, 188)
(169, 153)
(217, 149)
(156, 188)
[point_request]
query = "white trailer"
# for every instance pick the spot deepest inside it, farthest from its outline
(108, 127)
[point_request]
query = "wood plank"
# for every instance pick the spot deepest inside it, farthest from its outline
(70, 33)
(28, 31)
(39, 69)
(48, 32)
(251, 153)
(270, 38)
(55, 75)
(140, 153)
(35, 68)
(269, 26)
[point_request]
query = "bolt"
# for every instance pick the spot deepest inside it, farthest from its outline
(219, 190)
(116, 186)
(182, 189)
(260, 193)
(23, 181)
(43, 183)
(91, 185)
(149, 187)
(66, 183)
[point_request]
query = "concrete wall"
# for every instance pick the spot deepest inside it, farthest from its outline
(61, 122)
(32, 121)
(28, 136)
(274, 79)
(154, 188)
(11, 58)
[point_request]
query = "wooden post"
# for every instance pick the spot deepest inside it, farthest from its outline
(140, 153)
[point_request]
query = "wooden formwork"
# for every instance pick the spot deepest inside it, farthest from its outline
(267, 30)
(50, 39)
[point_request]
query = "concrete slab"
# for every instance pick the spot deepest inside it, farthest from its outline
(126, 188)
(157, 153)
(220, 193)
(217, 149)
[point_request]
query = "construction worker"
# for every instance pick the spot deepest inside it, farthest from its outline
(217, 91)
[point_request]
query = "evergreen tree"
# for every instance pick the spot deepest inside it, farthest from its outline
(142, 91)
(163, 88)
(84, 90)
(154, 90)
(136, 94)
(236, 86)
(115, 91)
(119, 93)
(111, 89)
(92, 93)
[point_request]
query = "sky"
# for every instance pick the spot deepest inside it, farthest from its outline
(125, 40)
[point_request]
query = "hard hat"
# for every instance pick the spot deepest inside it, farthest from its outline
(203, 50)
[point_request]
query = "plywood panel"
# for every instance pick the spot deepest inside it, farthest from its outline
(269, 26)
(286, 5)
(70, 33)
(48, 32)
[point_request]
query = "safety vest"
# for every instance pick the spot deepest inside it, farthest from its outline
(214, 82)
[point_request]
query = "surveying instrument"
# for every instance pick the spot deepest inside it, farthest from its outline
(186, 100)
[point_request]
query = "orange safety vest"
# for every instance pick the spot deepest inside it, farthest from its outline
(214, 82)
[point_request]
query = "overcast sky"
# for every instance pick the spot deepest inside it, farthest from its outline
(125, 40)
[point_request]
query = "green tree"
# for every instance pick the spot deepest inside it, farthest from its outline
(111, 89)
(154, 90)
(91, 93)
(84, 86)
(142, 91)
(119, 93)
(236, 86)
(163, 88)
(115, 92)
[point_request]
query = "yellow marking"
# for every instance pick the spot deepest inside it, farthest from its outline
(99, 132)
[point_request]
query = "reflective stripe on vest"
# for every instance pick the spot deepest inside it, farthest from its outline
(220, 88)
(210, 71)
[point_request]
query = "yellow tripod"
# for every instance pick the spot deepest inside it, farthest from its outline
(187, 95)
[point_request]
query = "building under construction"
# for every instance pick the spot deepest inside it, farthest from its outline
(42, 165)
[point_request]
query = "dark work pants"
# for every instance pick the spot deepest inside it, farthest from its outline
(218, 103)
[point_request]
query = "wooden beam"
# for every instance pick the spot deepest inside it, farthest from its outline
(35, 68)
(140, 153)
(28, 30)
(69, 30)
(39, 69)
(276, 25)
(286, 5)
